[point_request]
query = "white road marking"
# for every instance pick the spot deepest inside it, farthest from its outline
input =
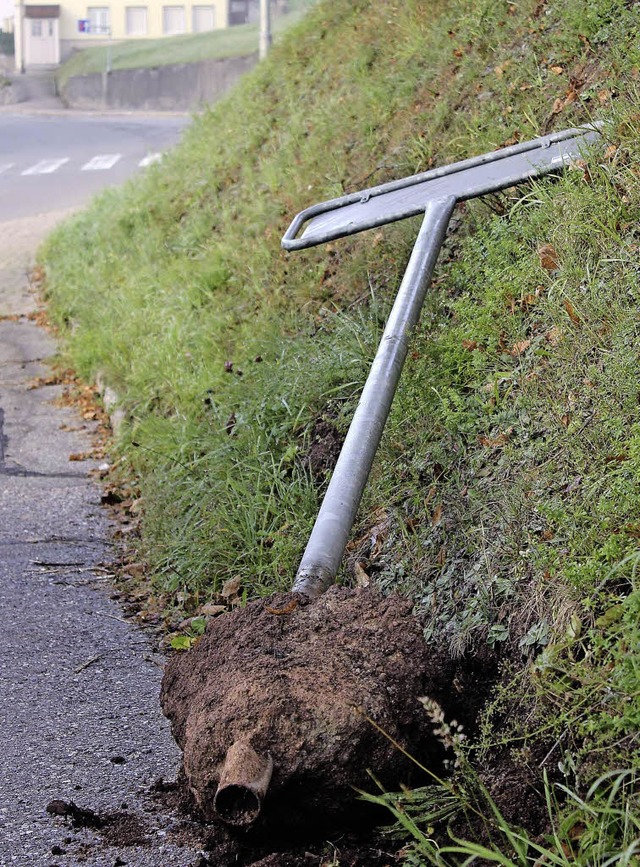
(101, 163)
(45, 167)
(4, 167)
(149, 159)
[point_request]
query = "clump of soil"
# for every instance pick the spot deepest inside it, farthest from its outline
(310, 685)
(118, 828)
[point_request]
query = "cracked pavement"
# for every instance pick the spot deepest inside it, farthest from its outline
(79, 714)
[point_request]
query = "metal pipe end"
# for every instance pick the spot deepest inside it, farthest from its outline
(243, 785)
(312, 581)
(237, 805)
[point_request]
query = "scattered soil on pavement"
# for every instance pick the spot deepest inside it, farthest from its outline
(117, 828)
(219, 846)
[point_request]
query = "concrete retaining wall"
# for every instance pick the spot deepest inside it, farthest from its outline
(180, 87)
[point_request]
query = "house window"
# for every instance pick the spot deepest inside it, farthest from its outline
(238, 12)
(136, 20)
(173, 20)
(99, 19)
(42, 27)
(203, 18)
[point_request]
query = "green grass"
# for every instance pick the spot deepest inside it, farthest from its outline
(594, 832)
(504, 499)
(237, 41)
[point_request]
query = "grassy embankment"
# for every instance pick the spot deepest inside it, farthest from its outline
(237, 41)
(505, 496)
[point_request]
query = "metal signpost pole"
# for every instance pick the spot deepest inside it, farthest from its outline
(108, 62)
(19, 37)
(434, 194)
(322, 556)
(265, 28)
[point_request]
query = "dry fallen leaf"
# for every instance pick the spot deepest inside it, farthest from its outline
(231, 587)
(548, 255)
(573, 316)
(577, 831)
(212, 610)
(362, 579)
(527, 301)
(288, 608)
(553, 336)
(559, 104)
(520, 347)
(378, 535)
(570, 97)
(494, 442)
(436, 518)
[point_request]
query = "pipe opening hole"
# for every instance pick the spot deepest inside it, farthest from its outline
(237, 805)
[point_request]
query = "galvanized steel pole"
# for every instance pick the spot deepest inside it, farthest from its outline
(433, 193)
(328, 539)
(265, 28)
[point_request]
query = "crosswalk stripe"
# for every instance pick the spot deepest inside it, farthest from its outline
(101, 163)
(149, 159)
(45, 167)
(5, 167)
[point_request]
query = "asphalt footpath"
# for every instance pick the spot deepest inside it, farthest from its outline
(83, 743)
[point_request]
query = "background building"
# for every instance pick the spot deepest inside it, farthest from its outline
(46, 34)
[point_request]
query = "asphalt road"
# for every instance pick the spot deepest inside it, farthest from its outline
(58, 160)
(79, 714)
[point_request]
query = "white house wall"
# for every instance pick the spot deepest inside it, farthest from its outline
(126, 19)
(156, 12)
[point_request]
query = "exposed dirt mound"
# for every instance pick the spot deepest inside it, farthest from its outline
(324, 448)
(298, 684)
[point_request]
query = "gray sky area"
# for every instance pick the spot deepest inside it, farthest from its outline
(6, 9)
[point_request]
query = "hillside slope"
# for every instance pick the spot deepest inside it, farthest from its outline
(504, 499)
